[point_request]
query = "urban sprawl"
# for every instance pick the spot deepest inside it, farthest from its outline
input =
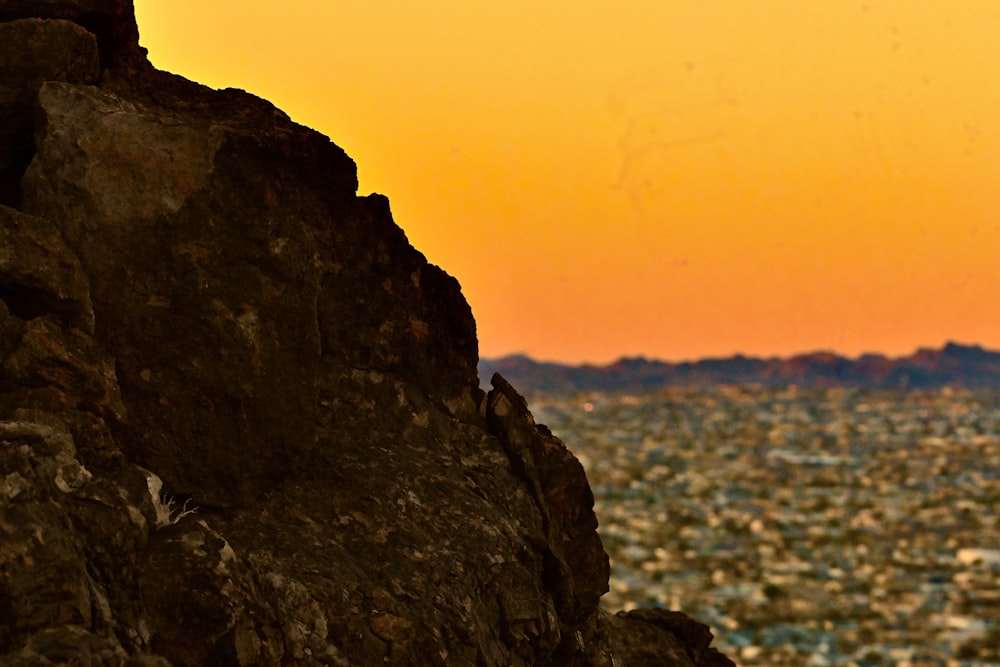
(808, 527)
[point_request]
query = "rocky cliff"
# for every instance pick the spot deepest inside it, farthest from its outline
(240, 417)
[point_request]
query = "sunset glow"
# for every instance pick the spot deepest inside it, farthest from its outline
(667, 179)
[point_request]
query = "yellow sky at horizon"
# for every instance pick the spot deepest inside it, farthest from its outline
(667, 179)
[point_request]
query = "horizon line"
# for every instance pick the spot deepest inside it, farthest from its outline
(735, 355)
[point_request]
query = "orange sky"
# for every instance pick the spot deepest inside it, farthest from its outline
(670, 179)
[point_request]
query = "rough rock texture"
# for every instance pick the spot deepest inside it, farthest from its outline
(240, 421)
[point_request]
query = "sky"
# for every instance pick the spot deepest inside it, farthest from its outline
(654, 178)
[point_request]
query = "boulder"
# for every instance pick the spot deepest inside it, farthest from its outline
(111, 22)
(33, 51)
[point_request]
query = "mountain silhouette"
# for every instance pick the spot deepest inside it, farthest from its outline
(954, 365)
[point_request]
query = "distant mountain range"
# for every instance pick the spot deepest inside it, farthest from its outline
(953, 365)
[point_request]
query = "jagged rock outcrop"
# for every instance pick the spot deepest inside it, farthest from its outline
(240, 418)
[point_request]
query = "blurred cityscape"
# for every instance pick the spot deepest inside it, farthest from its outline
(806, 527)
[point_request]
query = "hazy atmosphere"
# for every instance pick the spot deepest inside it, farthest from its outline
(671, 179)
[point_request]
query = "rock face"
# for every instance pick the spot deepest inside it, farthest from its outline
(240, 417)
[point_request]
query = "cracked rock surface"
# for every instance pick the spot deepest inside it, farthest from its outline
(240, 420)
